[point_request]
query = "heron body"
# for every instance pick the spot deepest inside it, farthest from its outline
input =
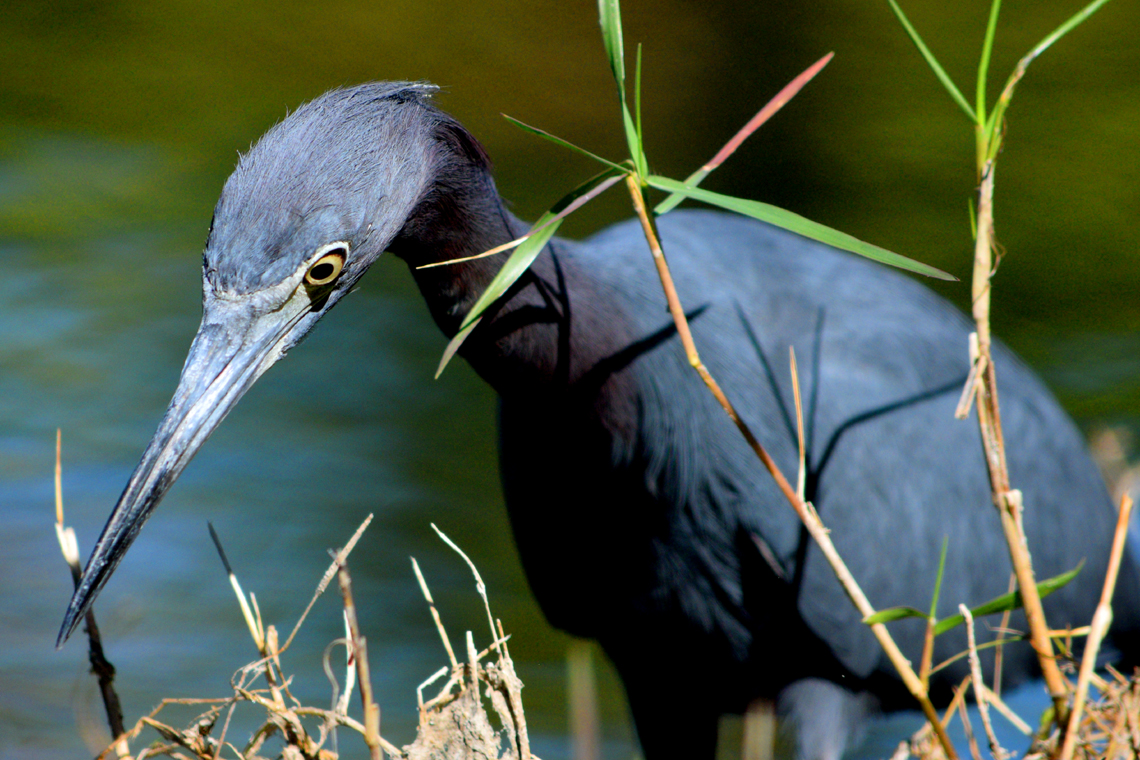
(642, 518)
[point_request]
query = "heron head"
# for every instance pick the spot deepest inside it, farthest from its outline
(307, 210)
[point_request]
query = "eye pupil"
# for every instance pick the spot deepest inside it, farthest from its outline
(327, 268)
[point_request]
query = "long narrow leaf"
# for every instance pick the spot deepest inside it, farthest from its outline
(638, 157)
(1077, 19)
(799, 225)
(609, 17)
(637, 101)
(770, 108)
(518, 262)
(938, 578)
(633, 140)
(984, 64)
(993, 125)
(1009, 601)
(528, 248)
(453, 346)
(564, 143)
(893, 613)
(933, 62)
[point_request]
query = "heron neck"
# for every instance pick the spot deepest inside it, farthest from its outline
(524, 343)
(455, 220)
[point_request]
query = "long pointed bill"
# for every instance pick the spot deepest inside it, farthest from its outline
(236, 343)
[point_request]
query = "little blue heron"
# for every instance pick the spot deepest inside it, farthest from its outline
(641, 517)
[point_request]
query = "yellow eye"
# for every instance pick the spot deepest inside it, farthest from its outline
(327, 268)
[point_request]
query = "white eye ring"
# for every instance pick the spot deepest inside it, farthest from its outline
(328, 265)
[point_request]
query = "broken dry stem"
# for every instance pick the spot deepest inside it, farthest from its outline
(1006, 499)
(804, 509)
(340, 558)
(435, 615)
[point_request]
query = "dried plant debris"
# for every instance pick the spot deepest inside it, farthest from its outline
(453, 725)
(1109, 728)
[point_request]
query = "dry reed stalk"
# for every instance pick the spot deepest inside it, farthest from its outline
(980, 685)
(1102, 619)
(363, 676)
(1006, 499)
(803, 509)
(453, 721)
(102, 668)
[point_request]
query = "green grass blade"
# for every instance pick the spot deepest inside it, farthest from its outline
(637, 95)
(938, 578)
(770, 108)
(799, 225)
(609, 16)
(526, 252)
(515, 265)
(1009, 601)
(633, 141)
(993, 125)
(453, 346)
(1077, 19)
(894, 613)
(639, 157)
(984, 64)
(933, 62)
(564, 143)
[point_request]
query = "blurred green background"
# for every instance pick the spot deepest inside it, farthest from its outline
(119, 121)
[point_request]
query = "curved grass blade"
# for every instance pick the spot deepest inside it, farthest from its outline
(931, 61)
(1009, 601)
(1074, 21)
(527, 251)
(564, 143)
(801, 226)
(770, 108)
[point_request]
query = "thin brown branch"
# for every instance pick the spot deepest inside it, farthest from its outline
(803, 509)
